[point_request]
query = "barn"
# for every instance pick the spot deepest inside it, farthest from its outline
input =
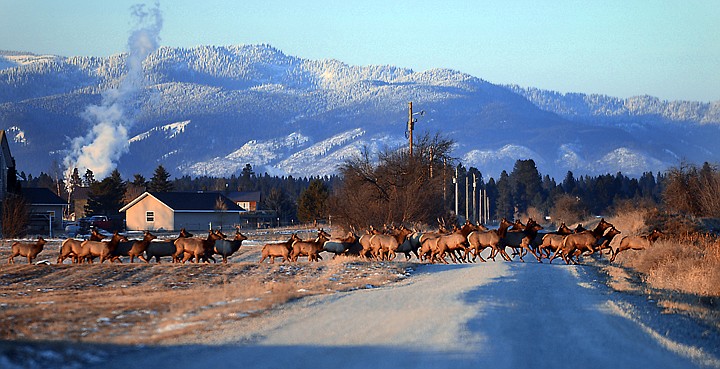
(171, 211)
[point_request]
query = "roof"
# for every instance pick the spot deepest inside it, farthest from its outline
(250, 196)
(188, 201)
(41, 196)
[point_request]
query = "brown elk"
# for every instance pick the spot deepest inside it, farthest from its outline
(522, 240)
(138, 247)
(480, 240)
(604, 242)
(428, 240)
(384, 246)
(636, 242)
(364, 241)
(29, 250)
(311, 248)
(195, 248)
(583, 242)
(103, 249)
(164, 248)
(456, 241)
(71, 247)
(549, 242)
(278, 249)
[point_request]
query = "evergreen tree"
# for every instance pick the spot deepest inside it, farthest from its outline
(89, 177)
(106, 197)
(246, 181)
(504, 202)
(313, 202)
(75, 180)
(160, 181)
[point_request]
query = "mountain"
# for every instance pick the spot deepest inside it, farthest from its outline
(209, 110)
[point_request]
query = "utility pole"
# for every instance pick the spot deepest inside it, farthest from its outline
(411, 125)
(475, 209)
(467, 198)
(457, 201)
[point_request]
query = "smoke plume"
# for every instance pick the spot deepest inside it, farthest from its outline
(101, 148)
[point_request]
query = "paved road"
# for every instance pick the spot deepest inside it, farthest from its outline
(495, 315)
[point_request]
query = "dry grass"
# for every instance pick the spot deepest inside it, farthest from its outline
(676, 265)
(164, 303)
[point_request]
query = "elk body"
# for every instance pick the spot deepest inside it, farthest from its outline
(452, 243)
(29, 250)
(636, 242)
(72, 247)
(226, 248)
(311, 249)
(340, 246)
(278, 249)
(193, 248)
(384, 246)
(583, 242)
(102, 249)
(521, 240)
(165, 248)
(134, 248)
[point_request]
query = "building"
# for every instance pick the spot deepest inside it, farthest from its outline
(8, 175)
(246, 200)
(171, 211)
(46, 210)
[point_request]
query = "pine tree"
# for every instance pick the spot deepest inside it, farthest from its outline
(89, 177)
(312, 204)
(160, 181)
(106, 196)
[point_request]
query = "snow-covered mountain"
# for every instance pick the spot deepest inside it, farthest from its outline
(209, 110)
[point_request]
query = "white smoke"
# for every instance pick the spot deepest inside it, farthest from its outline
(101, 148)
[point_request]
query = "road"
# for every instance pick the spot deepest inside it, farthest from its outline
(498, 315)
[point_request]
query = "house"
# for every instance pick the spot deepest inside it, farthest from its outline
(8, 175)
(245, 200)
(172, 211)
(78, 200)
(46, 208)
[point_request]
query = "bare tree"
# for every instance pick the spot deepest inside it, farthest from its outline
(396, 189)
(15, 216)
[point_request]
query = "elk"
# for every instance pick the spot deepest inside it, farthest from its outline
(166, 248)
(549, 242)
(583, 241)
(139, 247)
(384, 246)
(103, 249)
(522, 240)
(195, 248)
(452, 242)
(71, 247)
(311, 249)
(480, 240)
(636, 242)
(29, 250)
(281, 249)
(340, 246)
(226, 248)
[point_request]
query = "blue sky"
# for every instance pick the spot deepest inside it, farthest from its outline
(668, 49)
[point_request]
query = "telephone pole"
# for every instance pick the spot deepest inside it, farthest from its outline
(411, 125)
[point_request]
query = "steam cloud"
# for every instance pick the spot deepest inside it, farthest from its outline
(101, 148)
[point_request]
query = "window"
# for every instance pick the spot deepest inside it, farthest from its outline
(149, 216)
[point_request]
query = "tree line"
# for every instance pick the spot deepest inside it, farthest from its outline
(393, 187)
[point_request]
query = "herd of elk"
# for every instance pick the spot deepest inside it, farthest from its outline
(460, 244)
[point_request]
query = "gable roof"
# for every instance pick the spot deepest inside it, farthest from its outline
(250, 196)
(188, 201)
(41, 196)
